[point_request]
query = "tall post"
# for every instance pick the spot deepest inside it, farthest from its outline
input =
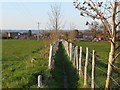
(66, 47)
(38, 30)
(50, 56)
(76, 59)
(73, 54)
(93, 69)
(86, 67)
(80, 63)
(70, 51)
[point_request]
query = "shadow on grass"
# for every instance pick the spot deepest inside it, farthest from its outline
(57, 80)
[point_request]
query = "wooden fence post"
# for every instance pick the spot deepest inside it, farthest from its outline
(76, 59)
(65, 45)
(86, 67)
(93, 69)
(50, 56)
(80, 63)
(70, 48)
(40, 81)
(57, 44)
(74, 54)
(53, 49)
(67, 48)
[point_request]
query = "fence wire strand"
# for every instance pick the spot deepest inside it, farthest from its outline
(106, 73)
(101, 60)
(94, 82)
(104, 62)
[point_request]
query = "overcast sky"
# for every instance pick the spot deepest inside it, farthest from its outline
(25, 15)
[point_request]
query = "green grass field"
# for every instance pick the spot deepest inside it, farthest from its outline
(20, 71)
(18, 68)
(102, 51)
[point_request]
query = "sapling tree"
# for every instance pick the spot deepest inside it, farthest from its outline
(55, 19)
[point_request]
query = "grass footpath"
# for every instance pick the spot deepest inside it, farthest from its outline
(23, 61)
(58, 77)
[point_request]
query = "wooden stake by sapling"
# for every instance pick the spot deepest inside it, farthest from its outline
(76, 59)
(93, 69)
(80, 63)
(86, 67)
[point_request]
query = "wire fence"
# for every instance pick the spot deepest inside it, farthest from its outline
(101, 60)
(106, 74)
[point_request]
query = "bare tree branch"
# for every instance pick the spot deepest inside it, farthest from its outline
(55, 17)
(116, 57)
(118, 24)
(103, 11)
(98, 15)
(117, 12)
(117, 48)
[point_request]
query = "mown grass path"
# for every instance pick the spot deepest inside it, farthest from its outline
(66, 84)
(64, 75)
